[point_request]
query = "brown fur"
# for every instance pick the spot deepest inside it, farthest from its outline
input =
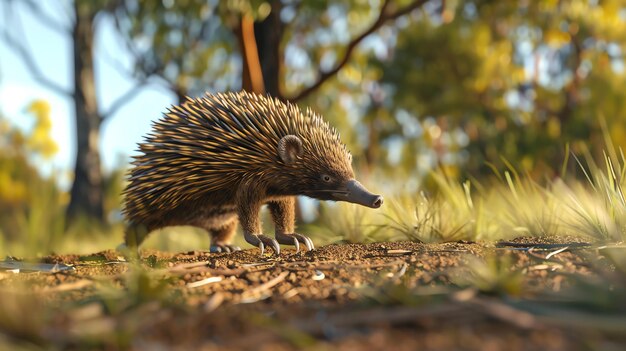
(215, 160)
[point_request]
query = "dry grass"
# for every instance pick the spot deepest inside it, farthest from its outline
(511, 205)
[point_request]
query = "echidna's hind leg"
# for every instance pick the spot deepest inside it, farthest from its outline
(135, 234)
(283, 214)
(222, 235)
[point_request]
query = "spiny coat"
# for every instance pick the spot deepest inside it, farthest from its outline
(219, 158)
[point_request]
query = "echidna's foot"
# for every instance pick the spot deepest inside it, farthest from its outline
(218, 248)
(260, 241)
(295, 239)
(128, 252)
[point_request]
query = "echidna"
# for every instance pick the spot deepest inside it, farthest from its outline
(219, 158)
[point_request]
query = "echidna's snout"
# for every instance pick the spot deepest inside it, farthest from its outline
(378, 201)
(356, 193)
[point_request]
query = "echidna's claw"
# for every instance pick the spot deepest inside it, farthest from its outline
(295, 239)
(261, 247)
(267, 241)
(309, 244)
(217, 248)
(275, 246)
(260, 241)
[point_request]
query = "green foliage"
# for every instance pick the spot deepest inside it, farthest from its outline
(507, 206)
(31, 206)
(480, 80)
(600, 212)
(346, 223)
(184, 43)
(469, 87)
(425, 220)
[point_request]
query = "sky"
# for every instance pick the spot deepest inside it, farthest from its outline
(53, 55)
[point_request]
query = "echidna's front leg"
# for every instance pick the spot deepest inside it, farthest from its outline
(134, 235)
(283, 214)
(248, 206)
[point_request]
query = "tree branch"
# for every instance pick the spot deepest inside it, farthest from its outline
(20, 49)
(30, 63)
(123, 99)
(145, 78)
(44, 18)
(380, 21)
(139, 58)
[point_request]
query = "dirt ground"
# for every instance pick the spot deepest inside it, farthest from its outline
(401, 296)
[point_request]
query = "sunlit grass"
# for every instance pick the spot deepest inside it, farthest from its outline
(509, 205)
(344, 222)
(598, 208)
(424, 220)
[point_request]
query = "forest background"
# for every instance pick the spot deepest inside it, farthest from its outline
(466, 88)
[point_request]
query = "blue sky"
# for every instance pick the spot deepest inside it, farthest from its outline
(52, 52)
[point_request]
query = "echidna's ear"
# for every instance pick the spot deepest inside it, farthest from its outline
(289, 148)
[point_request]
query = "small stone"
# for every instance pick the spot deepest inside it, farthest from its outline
(254, 277)
(292, 277)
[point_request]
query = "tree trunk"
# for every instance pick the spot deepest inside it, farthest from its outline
(269, 34)
(260, 51)
(262, 68)
(86, 195)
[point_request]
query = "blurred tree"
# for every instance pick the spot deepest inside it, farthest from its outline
(184, 44)
(480, 81)
(288, 49)
(86, 197)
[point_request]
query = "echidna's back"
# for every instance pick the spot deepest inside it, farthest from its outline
(204, 146)
(207, 145)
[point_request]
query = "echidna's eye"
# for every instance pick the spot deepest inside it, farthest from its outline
(326, 178)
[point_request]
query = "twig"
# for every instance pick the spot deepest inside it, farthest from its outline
(400, 272)
(185, 266)
(383, 315)
(83, 283)
(506, 313)
(290, 293)
(502, 244)
(399, 252)
(531, 251)
(248, 296)
(554, 253)
(327, 267)
(258, 264)
(200, 267)
(543, 267)
(214, 302)
(203, 282)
